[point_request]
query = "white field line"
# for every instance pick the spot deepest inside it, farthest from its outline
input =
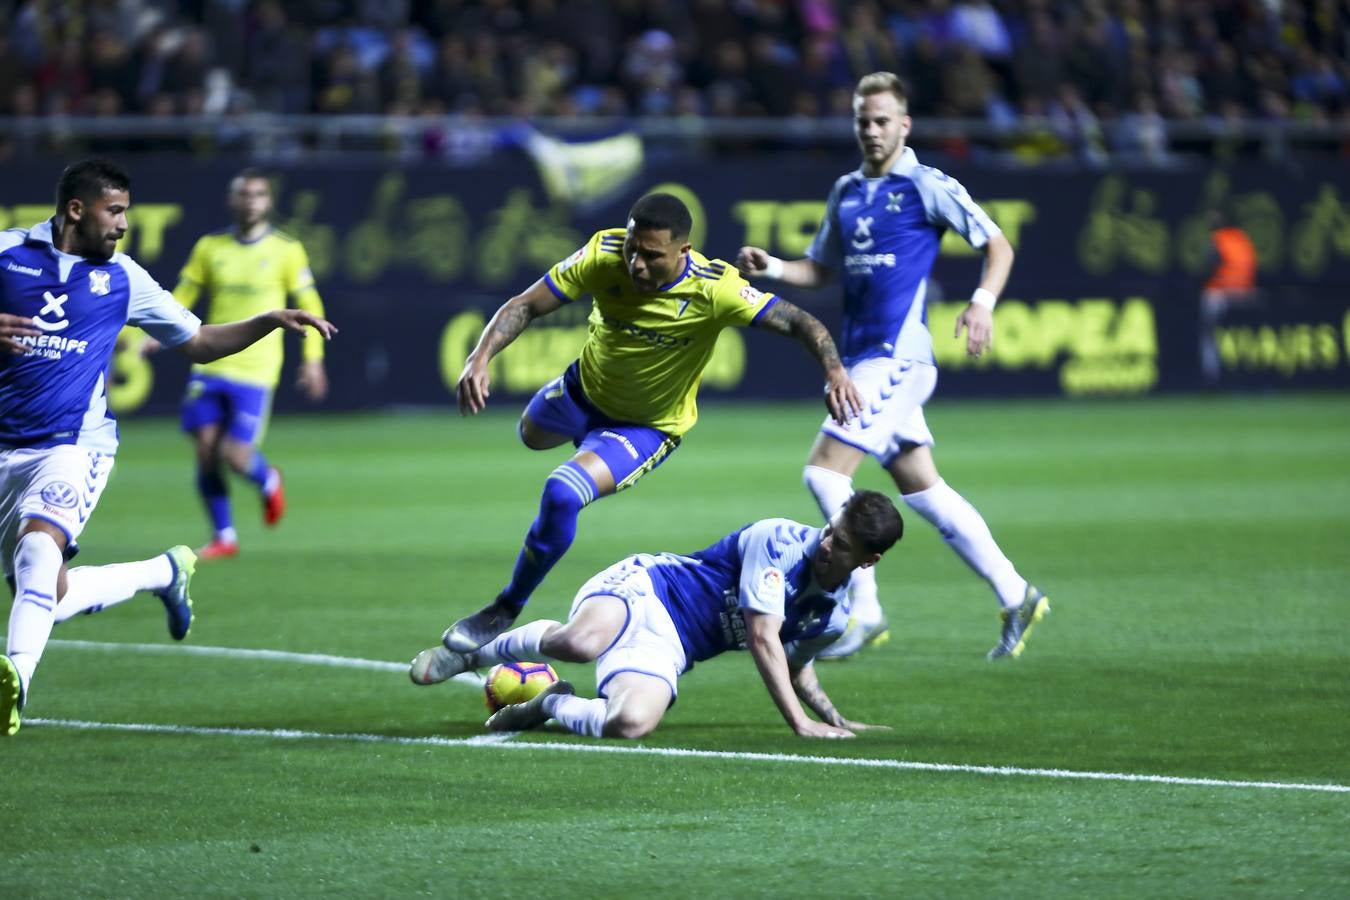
(315, 659)
(500, 740)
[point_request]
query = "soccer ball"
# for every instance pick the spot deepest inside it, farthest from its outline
(516, 682)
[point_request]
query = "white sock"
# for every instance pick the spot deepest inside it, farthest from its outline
(832, 490)
(227, 535)
(862, 597)
(37, 566)
(517, 645)
(577, 714)
(965, 531)
(91, 588)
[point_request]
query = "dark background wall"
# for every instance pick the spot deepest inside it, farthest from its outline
(1103, 299)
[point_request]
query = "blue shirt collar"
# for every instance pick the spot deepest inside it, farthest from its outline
(688, 260)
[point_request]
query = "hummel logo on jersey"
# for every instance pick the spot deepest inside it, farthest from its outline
(99, 282)
(53, 306)
(893, 201)
(25, 270)
(862, 233)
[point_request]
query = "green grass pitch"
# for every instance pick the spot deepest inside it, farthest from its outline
(1197, 557)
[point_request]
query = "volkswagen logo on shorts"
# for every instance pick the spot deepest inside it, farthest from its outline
(61, 495)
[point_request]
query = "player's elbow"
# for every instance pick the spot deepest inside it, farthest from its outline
(199, 348)
(1000, 247)
(818, 276)
(763, 644)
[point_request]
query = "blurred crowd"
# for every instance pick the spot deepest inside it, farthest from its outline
(1072, 63)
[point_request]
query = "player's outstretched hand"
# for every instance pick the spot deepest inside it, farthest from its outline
(863, 726)
(473, 387)
(841, 395)
(14, 327)
(299, 320)
(979, 324)
(752, 261)
(810, 728)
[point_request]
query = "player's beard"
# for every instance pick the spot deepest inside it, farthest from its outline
(100, 246)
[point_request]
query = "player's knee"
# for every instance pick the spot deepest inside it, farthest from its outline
(569, 488)
(534, 437)
(525, 431)
(574, 644)
(237, 455)
(630, 724)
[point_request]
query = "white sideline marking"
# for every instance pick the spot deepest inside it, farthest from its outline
(317, 659)
(499, 740)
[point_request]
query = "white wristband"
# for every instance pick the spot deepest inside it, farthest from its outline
(984, 298)
(773, 268)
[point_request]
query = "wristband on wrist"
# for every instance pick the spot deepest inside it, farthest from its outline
(984, 298)
(773, 268)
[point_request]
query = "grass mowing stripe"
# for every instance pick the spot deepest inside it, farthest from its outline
(499, 740)
(317, 659)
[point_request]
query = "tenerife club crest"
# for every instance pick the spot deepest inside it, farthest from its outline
(60, 494)
(99, 282)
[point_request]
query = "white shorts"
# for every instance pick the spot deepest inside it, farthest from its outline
(61, 485)
(648, 642)
(893, 394)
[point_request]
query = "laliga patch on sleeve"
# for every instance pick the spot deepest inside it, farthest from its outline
(751, 294)
(771, 582)
(571, 261)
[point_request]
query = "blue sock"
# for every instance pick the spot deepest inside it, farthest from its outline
(566, 492)
(216, 497)
(258, 467)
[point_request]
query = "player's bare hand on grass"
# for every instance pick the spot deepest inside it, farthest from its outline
(864, 726)
(752, 261)
(841, 396)
(979, 324)
(14, 327)
(813, 729)
(298, 320)
(473, 388)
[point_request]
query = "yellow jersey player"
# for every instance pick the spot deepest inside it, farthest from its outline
(247, 269)
(658, 307)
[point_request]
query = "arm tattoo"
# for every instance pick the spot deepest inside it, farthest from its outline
(506, 326)
(813, 695)
(787, 319)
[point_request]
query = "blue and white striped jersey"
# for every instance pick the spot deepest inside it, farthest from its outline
(884, 234)
(765, 567)
(57, 392)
